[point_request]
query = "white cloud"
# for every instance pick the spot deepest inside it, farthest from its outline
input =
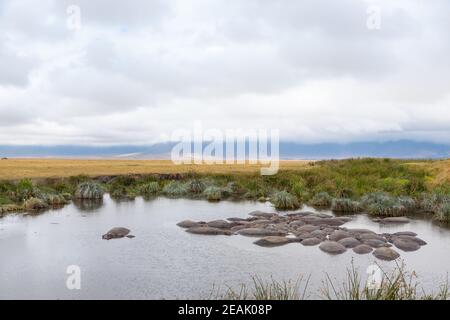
(138, 70)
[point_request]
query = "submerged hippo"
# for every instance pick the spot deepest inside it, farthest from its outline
(116, 233)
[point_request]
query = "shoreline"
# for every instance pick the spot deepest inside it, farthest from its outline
(380, 187)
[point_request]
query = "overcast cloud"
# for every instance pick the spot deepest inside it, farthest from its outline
(137, 70)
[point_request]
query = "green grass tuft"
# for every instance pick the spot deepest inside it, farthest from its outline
(283, 200)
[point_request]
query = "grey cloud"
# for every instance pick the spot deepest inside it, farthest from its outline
(14, 68)
(138, 69)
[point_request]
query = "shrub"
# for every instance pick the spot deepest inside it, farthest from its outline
(321, 199)
(213, 193)
(175, 189)
(89, 190)
(284, 200)
(150, 188)
(345, 205)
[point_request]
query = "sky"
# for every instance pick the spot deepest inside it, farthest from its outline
(111, 72)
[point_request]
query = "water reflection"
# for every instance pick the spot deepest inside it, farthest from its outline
(88, 205)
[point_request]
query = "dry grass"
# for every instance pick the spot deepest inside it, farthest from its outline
(12, 169)
(441, 170)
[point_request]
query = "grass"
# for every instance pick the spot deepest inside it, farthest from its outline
(149, 189)
(89, 190)
(398, 284)
(344, 205)
(15, 169)
(213, 193)
(265, 290)
(175, 189)
(397, 187)
(322, 200)
(283, 200)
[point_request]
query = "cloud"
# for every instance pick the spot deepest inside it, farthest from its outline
(136, 71)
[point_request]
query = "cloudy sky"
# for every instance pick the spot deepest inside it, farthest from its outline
(134, 71)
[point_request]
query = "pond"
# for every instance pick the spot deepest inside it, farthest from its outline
(164, 261)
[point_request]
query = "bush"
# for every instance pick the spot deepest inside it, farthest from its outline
(175, 189)
(321, 199)
(284, 200)
(213, 193)
(149, 189)
(345, 205)
(89, 190)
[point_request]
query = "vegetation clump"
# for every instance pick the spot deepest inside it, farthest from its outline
(383, 204)
(175, 189)
(283, 200)
(89, 190)
(443, 212)
(345, 205)
(321, 199)
(149, 189)
(35, 204)
(213, 193)
(196, 186)
(395, 285)
(56, 200)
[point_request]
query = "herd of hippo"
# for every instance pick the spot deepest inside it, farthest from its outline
(311, 229)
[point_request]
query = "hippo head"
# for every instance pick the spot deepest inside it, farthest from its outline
(106, 236)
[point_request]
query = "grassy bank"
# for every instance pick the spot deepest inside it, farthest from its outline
(381, 187)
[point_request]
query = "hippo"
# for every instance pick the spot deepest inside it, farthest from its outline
(116, 233)
(209, 231)
(362, 249)
(386, 254)
(311, 241)
(349, 242)
(332, 247)
(272, 241)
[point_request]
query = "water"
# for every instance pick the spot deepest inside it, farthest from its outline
(164, 261)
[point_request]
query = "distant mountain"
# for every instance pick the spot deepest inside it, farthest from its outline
(288, 150)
